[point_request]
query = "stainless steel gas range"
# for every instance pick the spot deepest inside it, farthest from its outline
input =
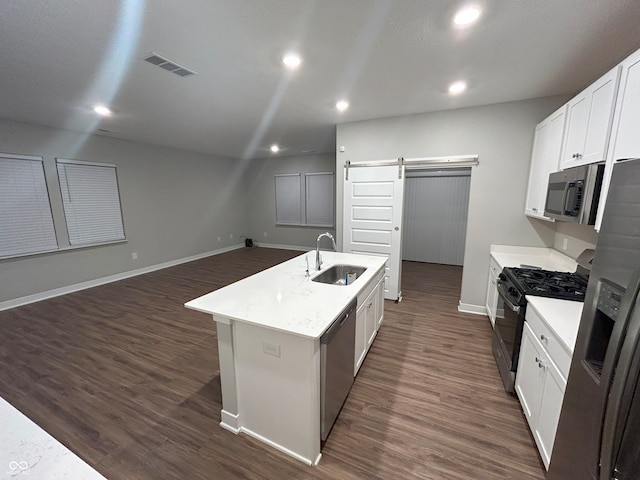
(513, 285)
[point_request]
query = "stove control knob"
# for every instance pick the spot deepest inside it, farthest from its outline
(502, 277)
(512, 291)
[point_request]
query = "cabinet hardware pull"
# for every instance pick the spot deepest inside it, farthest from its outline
(543, 338)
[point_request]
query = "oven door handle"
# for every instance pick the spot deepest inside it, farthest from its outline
(513, 307)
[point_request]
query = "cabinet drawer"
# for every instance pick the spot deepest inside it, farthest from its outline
(557, 353)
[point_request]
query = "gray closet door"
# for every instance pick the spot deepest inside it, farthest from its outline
(435, 218)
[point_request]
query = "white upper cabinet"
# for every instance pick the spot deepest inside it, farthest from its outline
(625, 133)
(545, 159)
(589, 117)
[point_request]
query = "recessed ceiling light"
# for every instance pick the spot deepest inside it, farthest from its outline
(275, 148)
(457, 87)
(466, 16)
(292, 60)
(342, 105)
(102, 110)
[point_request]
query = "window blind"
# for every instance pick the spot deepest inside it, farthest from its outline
(288, 209)
(26, 223)
(319, 205)
(91, 202)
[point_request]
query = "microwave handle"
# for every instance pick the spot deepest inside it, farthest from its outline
(568, 186)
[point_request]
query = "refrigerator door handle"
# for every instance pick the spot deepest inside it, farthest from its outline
(616, 397)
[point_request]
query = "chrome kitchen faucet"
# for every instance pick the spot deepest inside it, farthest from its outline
(318, 257)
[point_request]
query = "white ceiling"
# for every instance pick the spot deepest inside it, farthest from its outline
(388, 58)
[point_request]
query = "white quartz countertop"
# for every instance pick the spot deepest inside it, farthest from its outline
(561, 316)
(283, 298)
(545, 258)
(27, 451)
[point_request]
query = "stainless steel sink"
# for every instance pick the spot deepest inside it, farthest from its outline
(337, 275)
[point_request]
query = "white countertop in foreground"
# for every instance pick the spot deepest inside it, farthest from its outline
(545, 258)
(562, 316)
(27, 451)
(283, 298)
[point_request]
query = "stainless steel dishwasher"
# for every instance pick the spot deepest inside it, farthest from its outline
(337, 351)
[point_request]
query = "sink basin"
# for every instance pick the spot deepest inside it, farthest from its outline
(337, 275)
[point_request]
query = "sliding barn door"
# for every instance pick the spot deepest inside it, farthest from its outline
(373, 197)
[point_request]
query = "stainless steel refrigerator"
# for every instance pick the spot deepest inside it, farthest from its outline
(598, 435)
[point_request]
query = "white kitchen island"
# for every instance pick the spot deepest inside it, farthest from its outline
(269, 327)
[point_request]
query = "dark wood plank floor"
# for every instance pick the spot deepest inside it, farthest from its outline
(128, 379)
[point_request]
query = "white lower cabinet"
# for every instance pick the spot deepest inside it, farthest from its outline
(369, 315)
(361, 338)
(492, 290)
(380, 303)
(540, 387)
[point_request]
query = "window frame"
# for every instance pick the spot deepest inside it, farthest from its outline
(50, 244)
(302, 195)
(67, 215)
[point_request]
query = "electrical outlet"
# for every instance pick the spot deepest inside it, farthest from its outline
(134, 256)
(265, 234)
(218, 238)
(271, 349)
(231, 236)
(565, 243)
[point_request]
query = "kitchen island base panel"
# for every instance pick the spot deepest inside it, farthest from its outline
(226, 358)
(277, 392)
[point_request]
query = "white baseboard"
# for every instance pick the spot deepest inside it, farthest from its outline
(229, 421)
(56, 292)
(283, 247)
(277, 446)
(470, 308)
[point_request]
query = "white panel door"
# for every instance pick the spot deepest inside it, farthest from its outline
(372, 222)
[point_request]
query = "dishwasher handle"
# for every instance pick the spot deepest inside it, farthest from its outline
(338, 323)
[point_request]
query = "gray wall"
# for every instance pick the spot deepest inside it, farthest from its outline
(502, 136)
(261, 199)
(175, 204)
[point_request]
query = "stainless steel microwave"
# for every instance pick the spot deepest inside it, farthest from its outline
(573, 194)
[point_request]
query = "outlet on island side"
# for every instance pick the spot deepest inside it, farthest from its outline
(218, 238)
(271, 349)
(565, 243)
(134, 256)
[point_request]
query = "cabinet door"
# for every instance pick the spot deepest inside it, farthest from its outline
(589, 117)
(625, 139)
(492, 296)
(530, 376)
(577, 121)
(361, 339)
(545, 158)
(550, 406)
(536, 171)
(371, 321)
(379, 292)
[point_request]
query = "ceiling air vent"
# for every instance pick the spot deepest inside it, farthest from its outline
(167, 64)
